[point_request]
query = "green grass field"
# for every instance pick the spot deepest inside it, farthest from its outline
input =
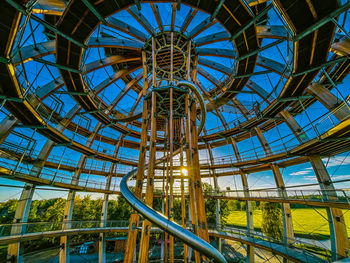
(306, 221)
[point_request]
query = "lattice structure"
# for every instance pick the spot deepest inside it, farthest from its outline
(98, 96)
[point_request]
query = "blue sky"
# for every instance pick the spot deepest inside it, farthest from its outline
(338, 166)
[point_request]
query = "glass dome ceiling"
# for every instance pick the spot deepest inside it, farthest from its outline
(245, 73)
(273, 76)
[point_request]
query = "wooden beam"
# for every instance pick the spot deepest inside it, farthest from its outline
(146, 225)
(337, 226)
(188, 19)
(135, 218)
(173, 15)
(141, 19)
(171, 156)
(199, 199)
(193, 208)
(157, 16)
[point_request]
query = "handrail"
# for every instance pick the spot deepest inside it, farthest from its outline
(251, 154)
(35, 229)
(168, 226)
(337, 196)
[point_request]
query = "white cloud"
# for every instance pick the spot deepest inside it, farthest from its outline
(311, 178)
(302, 172)
(341, 177)
(338, 160)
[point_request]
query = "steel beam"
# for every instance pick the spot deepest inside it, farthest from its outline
(209, 77)
(328, 63)
(43, 91)
(341, 47)
(95, 11)
(6, 127)
(126, 28)
(217, 9)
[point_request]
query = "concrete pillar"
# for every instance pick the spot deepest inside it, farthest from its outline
(14, 254)
(337, 227)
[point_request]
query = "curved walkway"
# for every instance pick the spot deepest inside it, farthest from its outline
(319, 198)
(32, 231)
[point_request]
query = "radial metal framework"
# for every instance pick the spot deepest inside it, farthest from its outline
(92, 90)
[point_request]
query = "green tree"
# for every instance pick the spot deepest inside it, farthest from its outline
(210, 206)
(87, 209)
(271, 220)
(7, 211)
(54, 213)
(123, 209)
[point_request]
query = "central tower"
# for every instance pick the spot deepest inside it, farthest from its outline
(169, 146)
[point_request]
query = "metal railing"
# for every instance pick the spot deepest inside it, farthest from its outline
(287, 246)
(57, 177)
(42, 227)
(309, 195)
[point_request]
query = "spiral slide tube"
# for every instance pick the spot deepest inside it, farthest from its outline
(168, 226)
